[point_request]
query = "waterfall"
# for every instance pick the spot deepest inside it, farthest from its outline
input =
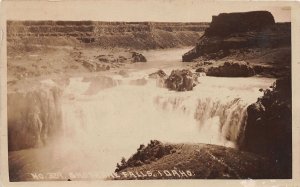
(34, 117)
(220, 122)
(122, 108)
(104, 118)
(102, 123)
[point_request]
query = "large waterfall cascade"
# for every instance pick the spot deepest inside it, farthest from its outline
(112, 121)
(107, 116)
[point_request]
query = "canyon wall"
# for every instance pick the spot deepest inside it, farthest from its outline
(140, 35)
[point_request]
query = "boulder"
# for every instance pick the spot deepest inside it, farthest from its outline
(181, 80)
(232, 69)
(160, 77)
(137, 57)
(201, 70)
(158, 74)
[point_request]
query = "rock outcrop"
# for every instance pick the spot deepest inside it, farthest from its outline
(160, 77)
(269, 126)
(137, 57)
(158, 74)
(228, 23)
(231, 69)
(193, 161)
(229, 32)
(181, 80)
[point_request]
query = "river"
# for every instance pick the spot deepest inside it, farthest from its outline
(102, 124)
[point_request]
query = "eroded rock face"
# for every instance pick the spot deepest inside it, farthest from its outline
(269, 126)
(232, 69)
(181, 80)
(235, 31)
(138, 35)
(228, 23)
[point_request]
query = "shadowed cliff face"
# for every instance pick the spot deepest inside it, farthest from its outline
(230, 33)
(226, 24)
(269, 126)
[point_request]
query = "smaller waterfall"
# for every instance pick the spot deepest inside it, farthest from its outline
(220, 122)
(230, 118)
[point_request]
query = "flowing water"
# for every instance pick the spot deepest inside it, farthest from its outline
(107, 118)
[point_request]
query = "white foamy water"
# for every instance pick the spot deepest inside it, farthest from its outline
(112, 122)
(105, 119)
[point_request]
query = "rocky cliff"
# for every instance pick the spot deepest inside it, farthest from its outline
(231, 33)
(269, 126)
(225, 24)
(140, 35)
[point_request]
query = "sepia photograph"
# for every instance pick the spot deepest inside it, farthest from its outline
(149, 93)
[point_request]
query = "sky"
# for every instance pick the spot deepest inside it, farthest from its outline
(136, 10)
